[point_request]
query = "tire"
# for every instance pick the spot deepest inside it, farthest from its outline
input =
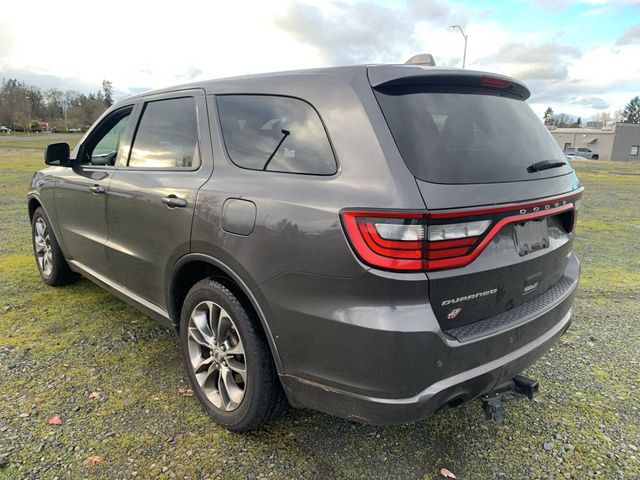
(596, 157)
(227, 359)
(54, 269)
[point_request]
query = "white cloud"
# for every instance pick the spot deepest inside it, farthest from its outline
(141, 45)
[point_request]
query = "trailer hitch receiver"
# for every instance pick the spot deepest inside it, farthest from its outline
(517, 388)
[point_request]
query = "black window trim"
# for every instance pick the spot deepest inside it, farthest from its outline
(637, 147)
(255, 94)
(143, 105)
(98, 130)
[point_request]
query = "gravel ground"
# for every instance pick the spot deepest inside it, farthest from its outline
(116, 381)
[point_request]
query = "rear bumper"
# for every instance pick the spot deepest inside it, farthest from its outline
(453, 390)
(385, 359)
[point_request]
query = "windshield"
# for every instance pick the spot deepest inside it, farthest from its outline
(459, 137)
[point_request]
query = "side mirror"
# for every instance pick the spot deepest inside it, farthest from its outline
(57, 154)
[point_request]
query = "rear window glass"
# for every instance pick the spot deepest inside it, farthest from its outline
(276, 134)
(463, 137)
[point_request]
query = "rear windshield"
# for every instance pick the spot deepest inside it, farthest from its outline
(465, 137)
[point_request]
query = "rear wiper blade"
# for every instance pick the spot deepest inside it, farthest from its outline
(544, 165)
(285, 134)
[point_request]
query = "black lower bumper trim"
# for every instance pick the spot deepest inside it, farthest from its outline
(518, 315)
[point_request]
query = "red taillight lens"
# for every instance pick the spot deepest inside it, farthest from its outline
(391, 241)
(415, 241)
(404, 242)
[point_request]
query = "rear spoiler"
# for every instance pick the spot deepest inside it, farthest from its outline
(387, 77)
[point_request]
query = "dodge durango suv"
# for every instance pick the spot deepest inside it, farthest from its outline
(359, 240)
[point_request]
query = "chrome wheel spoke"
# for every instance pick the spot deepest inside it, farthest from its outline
(214, 312)
(233, 391)
(208, 378)
(41, 227)
(236, 365)
(47, 263)
(222, 393)
(200, 328)
(40, 244)
(204, 363)
(197, 336)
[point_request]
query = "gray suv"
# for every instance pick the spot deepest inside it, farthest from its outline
(358, 240)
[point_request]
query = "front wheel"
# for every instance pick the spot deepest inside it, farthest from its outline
(53, 268)
(227, 359)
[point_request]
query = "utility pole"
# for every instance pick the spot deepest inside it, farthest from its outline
(464, 56)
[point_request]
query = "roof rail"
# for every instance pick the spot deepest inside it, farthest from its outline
(421, 59)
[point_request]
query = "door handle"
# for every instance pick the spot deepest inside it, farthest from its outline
(97, 189)
(172, 201)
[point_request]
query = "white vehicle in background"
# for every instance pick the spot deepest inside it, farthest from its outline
(5, 130)
(581, 152)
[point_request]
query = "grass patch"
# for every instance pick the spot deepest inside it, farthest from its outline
(58, 345)
(38, 141)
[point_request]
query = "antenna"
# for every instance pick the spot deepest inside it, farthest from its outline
(421, 59)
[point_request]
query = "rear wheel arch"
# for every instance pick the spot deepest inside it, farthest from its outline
(192, 268)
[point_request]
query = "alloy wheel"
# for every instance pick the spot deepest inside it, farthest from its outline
(217, 355)
(42, 242)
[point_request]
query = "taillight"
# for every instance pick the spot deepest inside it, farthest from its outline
(424, 241)
(406, 242)
(387, 240)
(457, 230)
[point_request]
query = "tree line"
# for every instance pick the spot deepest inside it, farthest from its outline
(630, 114)
(28, 108)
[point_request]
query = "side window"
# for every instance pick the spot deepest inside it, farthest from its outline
(103, 148)
(167, 135)
(276, 134)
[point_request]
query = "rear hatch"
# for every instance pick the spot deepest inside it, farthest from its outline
(500, 193)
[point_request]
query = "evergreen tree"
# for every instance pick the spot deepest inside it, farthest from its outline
(631, 113)
(549, 117)
(107, 89)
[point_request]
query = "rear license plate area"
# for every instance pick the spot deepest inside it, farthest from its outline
(531, 236)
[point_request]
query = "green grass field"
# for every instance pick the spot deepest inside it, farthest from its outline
(58, 345)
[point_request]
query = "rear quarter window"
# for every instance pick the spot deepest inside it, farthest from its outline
(275, 134)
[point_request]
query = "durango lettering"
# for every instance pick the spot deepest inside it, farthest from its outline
(469, 297)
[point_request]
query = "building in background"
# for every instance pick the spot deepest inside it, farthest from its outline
(620, 142)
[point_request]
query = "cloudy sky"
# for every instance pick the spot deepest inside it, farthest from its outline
(577, 56)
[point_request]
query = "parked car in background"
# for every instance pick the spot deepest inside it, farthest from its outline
(359, 240)
(582, 152)
(5, 130)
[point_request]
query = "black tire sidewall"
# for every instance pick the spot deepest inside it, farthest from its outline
(243, 417)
